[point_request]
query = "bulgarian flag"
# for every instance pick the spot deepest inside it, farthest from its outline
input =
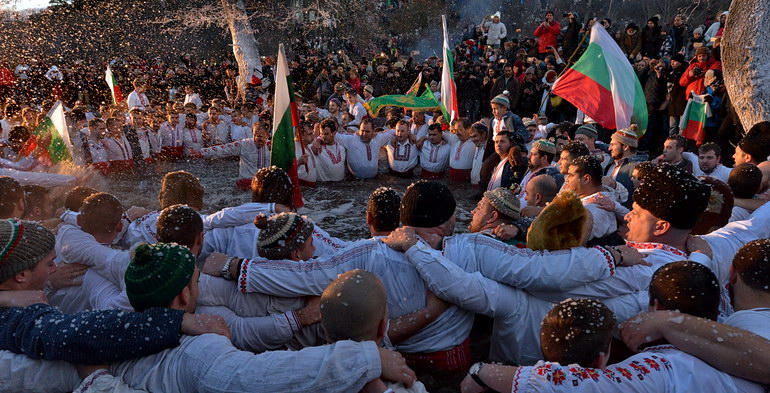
(285, 121)
(448, 88)
(604, 86)
(693, 121)
(50, 141)
(117, 95)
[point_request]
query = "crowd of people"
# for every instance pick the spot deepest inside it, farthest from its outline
(607, 260)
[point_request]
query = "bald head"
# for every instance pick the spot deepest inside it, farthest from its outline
(541, 190)
(353, 307)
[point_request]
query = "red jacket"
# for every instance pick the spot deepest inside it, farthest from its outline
(695, 83)
(6, 77)
(547, 37)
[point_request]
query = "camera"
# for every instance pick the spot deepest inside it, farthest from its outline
(697, 71)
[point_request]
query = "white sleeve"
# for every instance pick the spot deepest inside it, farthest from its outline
(80, 247)
(470, 291)
(384, 137)
(726, 241)
(101, 381)
(326, 244)
(21, 374)
(290, 279)
(238, 215)
(39, 178)
(220, 151)
(450, 137)
(536, 270)
(257, 334)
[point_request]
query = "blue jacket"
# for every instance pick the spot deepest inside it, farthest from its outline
(41, 331)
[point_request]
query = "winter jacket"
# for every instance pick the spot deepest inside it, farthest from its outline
(547, 36)
(631, 44)
(695, 83)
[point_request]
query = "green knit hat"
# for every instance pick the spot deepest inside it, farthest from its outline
(157, 274)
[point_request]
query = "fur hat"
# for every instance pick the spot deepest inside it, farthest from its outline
(628, 136)
(588, 130)
(718, 210)
(22, 245)
(672, 195)
(157, 274)
(427, 204)
(546, 146)
(529, 122)
(502, 99)
(281, 234)
(560, 226)
(504, 201)
(757, 141)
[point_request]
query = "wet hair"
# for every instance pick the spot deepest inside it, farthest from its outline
(179, 224)
(576, 149)
(745, 180)
(588, 165)
(576, 331)
(35, 196)
(330, 124)
(751, 263)
(181, 187)
(689, 287)
(95, 121)
(11, 192)
(464, 122)
(384, 209)
(681, 142)
(100, 213)
(710, 146)
(272, 185)
(74, 198)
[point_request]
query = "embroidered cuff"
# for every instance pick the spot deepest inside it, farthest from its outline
(243, 277)
(611, 263)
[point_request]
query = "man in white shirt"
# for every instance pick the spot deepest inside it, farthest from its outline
(254, 154)
(419, 124)
(331, 154)
(215, 130)
(363, 149)
(584, 177)
(170, 135)
(307, 169)
(137, 98)
(745, 181)
(434, 154)
(402, 152)
(192, 136)
(478, 134)
(355, 109)
(710, 162)
(462, 151)
(239, 127)
(192, 96)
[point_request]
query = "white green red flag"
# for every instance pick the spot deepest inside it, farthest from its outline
(448, 87)
(50, 141)
(693, 122)
(603, 85)
(285, 123)
(109, 77)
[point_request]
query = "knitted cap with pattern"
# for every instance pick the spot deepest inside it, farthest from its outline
(281, 234)
(157, 274)
(627, 136)
(427, 204)
(502, 99)
(22, 245)
(504, 201)
(588, 130)
(672, 195)
(546, 146)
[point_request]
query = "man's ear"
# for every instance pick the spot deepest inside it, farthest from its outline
(661, 227)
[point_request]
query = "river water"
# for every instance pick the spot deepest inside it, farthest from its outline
(339, 208)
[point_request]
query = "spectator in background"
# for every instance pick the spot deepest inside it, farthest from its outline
(651, 38)
(496, 33)
(546, 33)
(680, 32)
(631, 41)
(571, 36)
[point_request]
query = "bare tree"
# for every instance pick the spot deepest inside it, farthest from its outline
(244, 44)
(746, 59)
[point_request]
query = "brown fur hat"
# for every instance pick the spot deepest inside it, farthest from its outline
(560, 226)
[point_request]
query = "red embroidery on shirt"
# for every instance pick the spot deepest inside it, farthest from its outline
(335, 159)
(558, 377)
(653, 364)
(657, 246)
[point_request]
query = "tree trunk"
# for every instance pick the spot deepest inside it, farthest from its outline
(746, 60)
(244, 45)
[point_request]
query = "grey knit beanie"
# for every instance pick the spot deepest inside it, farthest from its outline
(22, 245)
